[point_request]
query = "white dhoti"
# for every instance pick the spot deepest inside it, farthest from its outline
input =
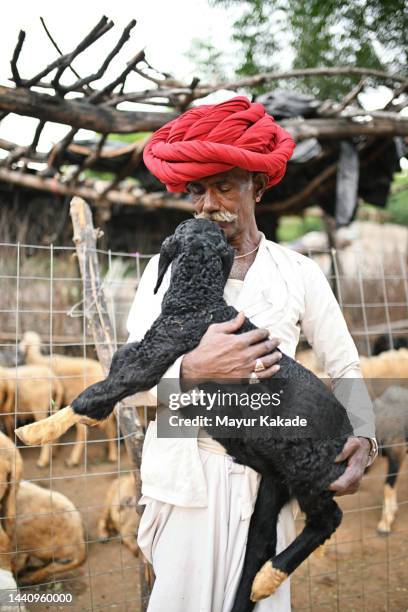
(198, 553)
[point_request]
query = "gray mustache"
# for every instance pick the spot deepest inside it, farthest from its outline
(217, 216)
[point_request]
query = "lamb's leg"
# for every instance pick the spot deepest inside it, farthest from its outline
(79, 446)
(104, 525)
(45, 455)
(125, 378)
(48, 571)
(323, 516)
(7, 510)
(96, 403)
(111, 433)
(133, 369)
(261, 543)
(46, 449)
(51, 428)
(130, 540)
(395, 456)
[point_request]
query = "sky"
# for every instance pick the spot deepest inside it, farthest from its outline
(165, 28)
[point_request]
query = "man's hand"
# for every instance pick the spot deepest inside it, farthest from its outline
(356, 450)
(222, 354)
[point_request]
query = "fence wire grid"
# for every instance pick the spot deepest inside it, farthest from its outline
(61, 523)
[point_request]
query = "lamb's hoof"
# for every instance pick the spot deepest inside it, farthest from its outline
(42, 464)
(267, 580)
(133, 547)
(71, 462)
(383, 528)
(112, 458)
(103, 538)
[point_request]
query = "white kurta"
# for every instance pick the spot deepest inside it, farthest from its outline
(198, 553)
(198, 503)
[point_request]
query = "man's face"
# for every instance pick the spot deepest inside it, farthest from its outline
(232, 192)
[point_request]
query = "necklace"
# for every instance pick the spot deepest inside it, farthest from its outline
(249, 253)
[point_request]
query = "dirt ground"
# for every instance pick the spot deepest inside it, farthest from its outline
(109, 577)
(361, 571)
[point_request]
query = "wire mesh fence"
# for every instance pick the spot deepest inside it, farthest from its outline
(76, 519)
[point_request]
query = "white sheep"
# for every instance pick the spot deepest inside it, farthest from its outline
(75, 374)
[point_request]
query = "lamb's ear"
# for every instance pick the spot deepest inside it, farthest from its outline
(227, 258)
(168, 252)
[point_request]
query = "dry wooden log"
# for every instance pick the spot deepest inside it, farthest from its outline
(357, 124)
(78, 112)
(81, 114)
(78, 149)
(138, 197)
(96, 311)
(170, 88)
(266, 77)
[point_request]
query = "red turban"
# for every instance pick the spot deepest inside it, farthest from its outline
(214, 138)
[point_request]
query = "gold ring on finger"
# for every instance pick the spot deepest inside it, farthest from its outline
(259, 366)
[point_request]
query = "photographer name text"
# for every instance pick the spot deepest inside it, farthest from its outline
(224, 421)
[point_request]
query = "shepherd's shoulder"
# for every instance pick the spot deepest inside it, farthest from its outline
(293, 257)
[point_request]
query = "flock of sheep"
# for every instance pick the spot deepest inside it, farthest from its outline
(42, 533)
(386, 373)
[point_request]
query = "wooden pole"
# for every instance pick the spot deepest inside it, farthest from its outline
(96, 312)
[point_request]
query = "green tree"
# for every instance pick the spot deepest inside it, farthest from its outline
(312, 33)
(209, 60)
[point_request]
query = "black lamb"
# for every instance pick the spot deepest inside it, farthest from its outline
(300, 466)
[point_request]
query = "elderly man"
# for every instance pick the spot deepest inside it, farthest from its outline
(198, 502)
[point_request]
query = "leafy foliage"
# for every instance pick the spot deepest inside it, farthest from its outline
(312, 33)
(210, 60)
(397, 204)
(133, 137)
(292, 227)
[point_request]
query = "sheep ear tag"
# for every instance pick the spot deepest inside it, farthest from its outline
(168, 252)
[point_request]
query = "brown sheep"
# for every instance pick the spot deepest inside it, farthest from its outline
(11, 467)
(389, 364)
(75, 374)
(120, 513)
(391, 422)
(29, 391)
(390, 407)
(49, 530)
(307, 358)
(8, 583)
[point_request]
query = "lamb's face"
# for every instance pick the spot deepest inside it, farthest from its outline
(29, 340)
(208, 233)
(196, 240)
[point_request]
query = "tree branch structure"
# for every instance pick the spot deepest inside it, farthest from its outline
(85, 102)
